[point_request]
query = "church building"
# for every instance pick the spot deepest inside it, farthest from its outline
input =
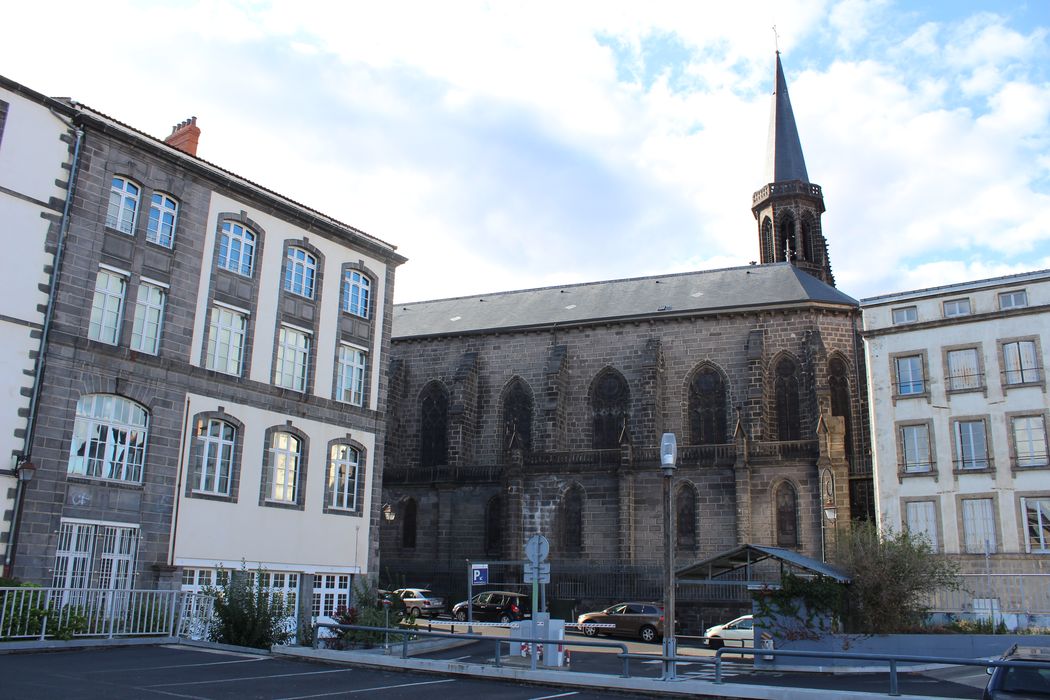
(541, 411)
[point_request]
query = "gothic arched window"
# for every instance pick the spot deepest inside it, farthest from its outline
(609, 399)
(494, 527)
(807, 249)
(786, 501)
(433, 427)
(769, 244)
(408, 524)
(787, 246)
(786, 391)
(707, 408)
(685, 521)
(571, 530)
(838, 382)
(517, 417)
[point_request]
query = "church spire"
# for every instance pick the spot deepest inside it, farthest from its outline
(784, 159)
(789, 207)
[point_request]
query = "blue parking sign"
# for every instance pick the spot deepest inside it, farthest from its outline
(479, 574)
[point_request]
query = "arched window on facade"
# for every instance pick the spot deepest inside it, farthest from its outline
(786, 501)
(808, 244)
(408, 524)
(685, 520)
(609, 401)
(433, 426)
(707, 408)
(571, 521)
(838, 382)
(786, 391)
(494, 527)
(769, 244)
(517, 417)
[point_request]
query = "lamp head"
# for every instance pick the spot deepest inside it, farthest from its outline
(668, 452)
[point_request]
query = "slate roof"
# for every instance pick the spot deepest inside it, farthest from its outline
(784, 159)
(670, 296)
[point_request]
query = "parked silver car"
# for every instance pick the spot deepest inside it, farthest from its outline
(421, 602)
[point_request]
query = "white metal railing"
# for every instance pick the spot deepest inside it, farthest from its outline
(28, 613)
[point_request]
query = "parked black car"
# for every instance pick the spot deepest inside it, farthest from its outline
(496, 606)
(1020, 682)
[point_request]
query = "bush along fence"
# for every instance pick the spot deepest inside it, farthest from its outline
(31, 613)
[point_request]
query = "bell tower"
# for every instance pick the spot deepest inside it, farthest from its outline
(789, 207)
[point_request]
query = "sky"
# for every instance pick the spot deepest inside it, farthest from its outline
(513, 145)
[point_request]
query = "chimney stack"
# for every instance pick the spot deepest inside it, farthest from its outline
(184, 136)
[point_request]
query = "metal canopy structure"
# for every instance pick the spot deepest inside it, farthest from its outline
(756, 566)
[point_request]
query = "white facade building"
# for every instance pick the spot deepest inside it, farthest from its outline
(35, 150)
(959, 414)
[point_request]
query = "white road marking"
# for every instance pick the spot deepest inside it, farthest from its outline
(249, 678)
(560, 695)
(159, 668)
(367, 690)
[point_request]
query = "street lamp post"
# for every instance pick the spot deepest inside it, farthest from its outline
(668, 463)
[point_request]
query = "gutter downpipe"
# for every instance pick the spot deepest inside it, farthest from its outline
(56, 267)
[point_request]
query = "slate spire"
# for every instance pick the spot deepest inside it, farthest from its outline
(784, 159)
(789, 207)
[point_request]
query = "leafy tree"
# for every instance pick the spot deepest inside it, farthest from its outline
(247, 612)
(893, 575)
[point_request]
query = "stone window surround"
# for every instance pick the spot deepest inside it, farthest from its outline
(310, 327)
(893, 315)
(1022, 520)
(899, 442)
(149, 181)
(366, 389)
(311, 357)
(727, 388)
(982, 378)
(165, 293)
(245, 359)
(319, 261)
(266, 482)
(68, 449)
(175, 228)
(938, 516)
(373, 280)
(989, 447)
(1008, 293)
(245, 305)
(774, 512)
(1039, 359)
(193, 463)
(923, 355)
(957, 300)
(362, 477)
(593, 399)
(996, 517)
(1013, 445)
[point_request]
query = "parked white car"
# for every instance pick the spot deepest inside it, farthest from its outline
(421, 602)
(735, 633)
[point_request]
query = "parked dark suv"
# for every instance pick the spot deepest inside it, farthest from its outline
(495, 606)
(642, 620)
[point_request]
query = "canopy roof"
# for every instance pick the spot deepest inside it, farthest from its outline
(757, 565)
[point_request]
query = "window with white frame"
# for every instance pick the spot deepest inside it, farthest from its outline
(109, 438)
(356, 293)
(95, 555)
(1020, 362)
(163, 211)
(956, 307)
(1015, 299)
(1037, 524)
(964, 370)
(910, 377)
(978, 525)
(149, 316)
(226, 336)
(237, 248)
(351, 364)
(915, 448)
(285, 453)
(331, 592)
(123, 203)
(293, 359)
(217, 442)
(343, 469)
(905, 314)
(971, 445)
(1029, 433)
(921, 519)
(283, 587)
(300, 269)
(107, 307)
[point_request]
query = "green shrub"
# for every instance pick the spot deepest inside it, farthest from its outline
(247, 612)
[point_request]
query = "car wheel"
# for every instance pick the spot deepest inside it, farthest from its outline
(715, 643)
(648, 633)
(415, 612)
(590, 630)
(461, 615)
(505, 618)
